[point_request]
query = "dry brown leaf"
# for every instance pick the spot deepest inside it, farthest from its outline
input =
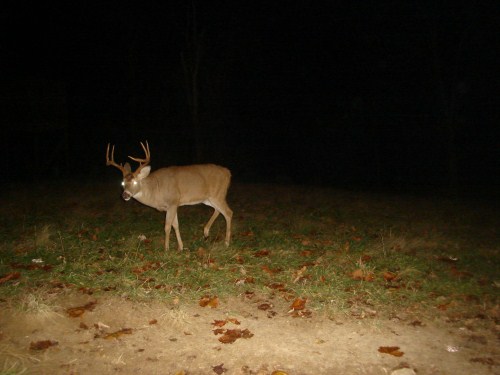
(357, 274)
(360, 274)
(246, 280)
(278, 286)
(261, 253)
(10, 276)
(75, 312)
(219, 369)
(231, 335)
(392, 350)
(219, 323)
(270, 271)
(249, 294)
(366, 258)
(265, 306)
(298, 304)
(389, 276)
(115, 335)
(212, 302)
(42, 345)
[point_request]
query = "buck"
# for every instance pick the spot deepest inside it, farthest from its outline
(166, 189)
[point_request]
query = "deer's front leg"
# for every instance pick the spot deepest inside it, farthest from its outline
(175, 224)
(169, 220)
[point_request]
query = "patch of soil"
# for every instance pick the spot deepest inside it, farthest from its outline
(116, 335)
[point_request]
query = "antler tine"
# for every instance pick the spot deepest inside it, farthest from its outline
(147, 159)
(111, 161)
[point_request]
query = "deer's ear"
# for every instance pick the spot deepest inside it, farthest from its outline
(144, 172)
(127, 167)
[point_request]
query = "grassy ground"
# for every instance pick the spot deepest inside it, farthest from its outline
(325, 250)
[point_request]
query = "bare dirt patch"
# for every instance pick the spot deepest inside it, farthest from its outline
(116, 335)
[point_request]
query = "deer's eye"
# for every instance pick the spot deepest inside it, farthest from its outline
(123, 183)
(135, 182)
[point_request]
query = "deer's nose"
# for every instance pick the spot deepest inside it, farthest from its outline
(126, 195)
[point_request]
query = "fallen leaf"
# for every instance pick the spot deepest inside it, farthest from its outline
(231, 335)
(270, 271)
(75, 312)
(219, 369)
(265, 306)
(42, 345)
(366, 258)
(246, 280)
(261, 253)
(249, 294)
(298, 304)
(10, 276)
(146, 267)
(389, 276)
(153, 321)
(279, 372)
(271, 314)
(219, 323)
(234, 321)
(357, 274)
(212, 302)
(277, 286)
(392, 350)
(115, 335)
(360, 274)
(444, 306)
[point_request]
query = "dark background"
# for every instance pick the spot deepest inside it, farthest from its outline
(371, 94)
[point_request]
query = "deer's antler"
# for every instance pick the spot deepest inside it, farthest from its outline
(145, 161)
(111, 160)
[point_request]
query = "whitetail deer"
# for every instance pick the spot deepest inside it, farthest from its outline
(168, 188)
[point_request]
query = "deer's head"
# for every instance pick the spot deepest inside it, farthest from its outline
(131, 180)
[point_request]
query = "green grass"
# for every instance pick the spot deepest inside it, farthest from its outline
(309, 241)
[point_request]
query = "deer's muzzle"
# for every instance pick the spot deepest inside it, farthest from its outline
(126, 195)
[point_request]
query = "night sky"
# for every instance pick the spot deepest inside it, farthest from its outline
(382, 94)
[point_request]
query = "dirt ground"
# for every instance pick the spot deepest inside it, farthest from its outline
(116, 335)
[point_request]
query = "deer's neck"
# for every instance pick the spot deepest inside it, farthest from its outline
(149, 193)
